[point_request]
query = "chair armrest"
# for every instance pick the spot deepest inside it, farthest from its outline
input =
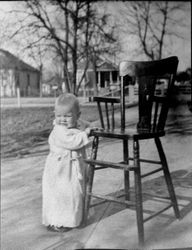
(95, 130)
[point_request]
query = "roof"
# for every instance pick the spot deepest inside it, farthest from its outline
(102, 65)
(9, 61)
(107, 66)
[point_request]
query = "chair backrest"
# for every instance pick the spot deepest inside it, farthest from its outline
(153, 101)
(106, 107)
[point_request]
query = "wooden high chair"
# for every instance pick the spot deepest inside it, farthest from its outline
(152, 114)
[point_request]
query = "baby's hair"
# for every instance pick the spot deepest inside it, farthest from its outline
(67, 99)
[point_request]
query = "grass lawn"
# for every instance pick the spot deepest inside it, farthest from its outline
(24, 128)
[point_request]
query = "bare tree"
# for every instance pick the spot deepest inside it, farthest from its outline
(58, 23)
(154, 23)
(100, 40)
(68, 29)
(105, 42)
(36, 52)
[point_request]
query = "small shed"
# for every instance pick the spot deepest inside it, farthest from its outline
(52, 85)
(15, 73)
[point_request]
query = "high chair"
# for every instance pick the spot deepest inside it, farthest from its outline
(152, 114)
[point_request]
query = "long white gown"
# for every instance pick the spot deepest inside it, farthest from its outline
(63, 178)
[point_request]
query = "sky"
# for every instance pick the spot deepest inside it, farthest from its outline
(181, 48)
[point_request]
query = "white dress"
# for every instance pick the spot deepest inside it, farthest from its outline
(63, 178)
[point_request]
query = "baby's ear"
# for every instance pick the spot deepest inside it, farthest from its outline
(54, 122)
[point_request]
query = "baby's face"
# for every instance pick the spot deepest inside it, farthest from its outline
(66, 117)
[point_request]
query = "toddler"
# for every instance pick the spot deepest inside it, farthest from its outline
(64, 173)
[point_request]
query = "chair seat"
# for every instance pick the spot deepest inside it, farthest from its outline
(128, 133)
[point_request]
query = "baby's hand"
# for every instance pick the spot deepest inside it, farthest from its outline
(96, 129)
(88, 131)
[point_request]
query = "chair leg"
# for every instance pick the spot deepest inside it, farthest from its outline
(167, 177)
(126, 173)
(138, 194)
(89, 179)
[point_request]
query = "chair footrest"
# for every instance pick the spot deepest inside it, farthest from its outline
(157, 213)
(113, 199)
(108, 164)
(151, 172)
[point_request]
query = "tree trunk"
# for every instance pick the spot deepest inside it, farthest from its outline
(94, 79)
(65, 68)
(40, 80)
(74, 53)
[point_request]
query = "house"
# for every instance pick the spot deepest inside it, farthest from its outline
(106, 76)
(52, 85)
(16, 74)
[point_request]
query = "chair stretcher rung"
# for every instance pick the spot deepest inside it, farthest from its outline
(151, 172)
(104, 201)
(154, 196)
(110, 164)
(98, 203)
(110, 198)
(157, 213)
(145, 160)
(98, 168)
